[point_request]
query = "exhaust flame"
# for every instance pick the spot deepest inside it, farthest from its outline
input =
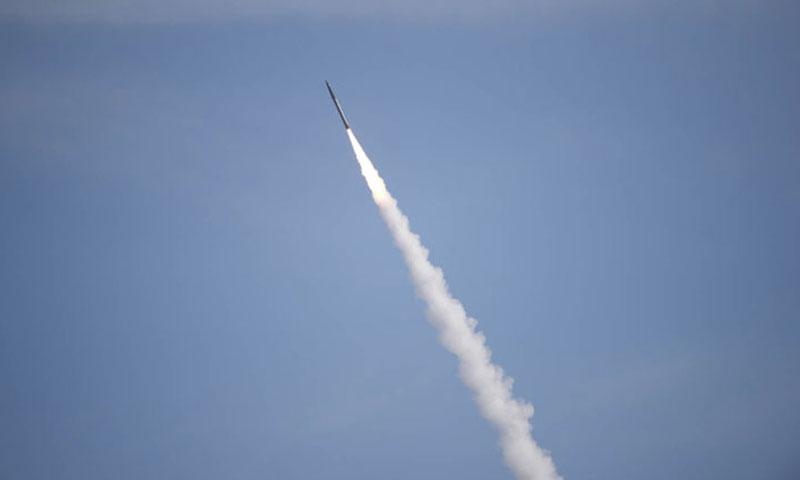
(374, 181)
(458, 334)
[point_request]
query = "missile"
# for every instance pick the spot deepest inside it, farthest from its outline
(338, 107)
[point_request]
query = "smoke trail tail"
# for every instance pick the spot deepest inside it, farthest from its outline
(457, 332)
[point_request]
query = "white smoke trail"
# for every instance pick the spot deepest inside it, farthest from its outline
(492, 389)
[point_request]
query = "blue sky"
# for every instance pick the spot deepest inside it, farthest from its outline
(196, 284)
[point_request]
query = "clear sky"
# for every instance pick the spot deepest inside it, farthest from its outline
(195, 283)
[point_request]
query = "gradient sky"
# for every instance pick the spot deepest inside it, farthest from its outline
(195, 283)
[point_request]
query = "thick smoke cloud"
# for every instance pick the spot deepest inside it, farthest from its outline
(457, 332)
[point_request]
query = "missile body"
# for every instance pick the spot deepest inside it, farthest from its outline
(338, 107)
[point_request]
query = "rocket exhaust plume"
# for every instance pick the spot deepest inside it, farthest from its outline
(457, 332)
